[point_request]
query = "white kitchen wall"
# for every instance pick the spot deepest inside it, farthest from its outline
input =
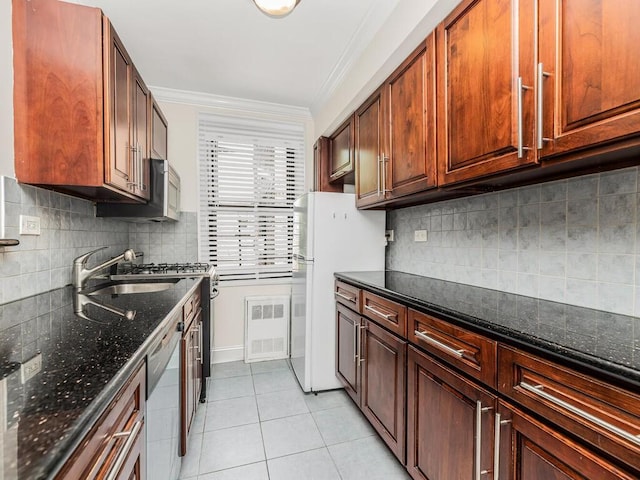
(182, 110)
(6, 90)
(575, 241)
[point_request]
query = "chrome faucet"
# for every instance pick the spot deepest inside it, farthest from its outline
(81, 273)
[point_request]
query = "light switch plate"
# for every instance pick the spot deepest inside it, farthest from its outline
(29, 225)
(30, 368)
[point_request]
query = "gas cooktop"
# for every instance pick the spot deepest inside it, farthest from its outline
(163, 270)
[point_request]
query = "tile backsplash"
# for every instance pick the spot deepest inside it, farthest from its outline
(69, 228)
(571, 241)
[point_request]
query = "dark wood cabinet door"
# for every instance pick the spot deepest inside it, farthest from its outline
(140, 143)
(383, 394)
(530, 450)
(410, 95)
(369, 154)
(322, 167)
(197, 360)
(341, 151)
(485, 49)
(589, 51)
(450, 422)
(119, 172)
(187, 385)
(347, 344)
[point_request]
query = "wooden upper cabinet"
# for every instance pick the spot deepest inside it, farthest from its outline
(589, 72)
(80, 107)
(410, 100)
(485, 85)
(321, 167)
(341, 152)
(369, 151)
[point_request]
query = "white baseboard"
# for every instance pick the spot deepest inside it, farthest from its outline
(227, 354)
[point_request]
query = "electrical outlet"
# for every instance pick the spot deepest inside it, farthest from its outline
(389, 235)
(29, 225)
(420, 236)
(30, 368)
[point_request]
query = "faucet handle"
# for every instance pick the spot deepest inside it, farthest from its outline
(82, 259)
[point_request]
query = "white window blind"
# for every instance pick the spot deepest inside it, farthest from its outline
(251, 172)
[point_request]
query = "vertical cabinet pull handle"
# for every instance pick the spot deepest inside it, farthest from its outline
(540, 101)
(378, 177)
(360, 355)
(478, 444)
(499, 423)
(355, 342)
(385, 160)
(520, 87)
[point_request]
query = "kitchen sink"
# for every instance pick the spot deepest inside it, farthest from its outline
(126, 287)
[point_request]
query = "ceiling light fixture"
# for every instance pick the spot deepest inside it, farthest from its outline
(276, 8)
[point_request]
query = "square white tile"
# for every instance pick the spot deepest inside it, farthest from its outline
(342, 424)
(269, 366)
(311, 465)
(288, 435)
(366, 459)
(231, 447)
(232, 412)
(274, 381)
(280, 404)
(254, 471)
(224, 388)
(326, 400)
(230, 369)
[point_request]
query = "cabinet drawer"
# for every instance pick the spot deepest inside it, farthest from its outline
(389, 314)
(119, 428)
(472, 353)
(190, 308)
(348, 295)
(601, 414)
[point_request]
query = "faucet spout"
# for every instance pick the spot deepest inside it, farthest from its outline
(81, 273)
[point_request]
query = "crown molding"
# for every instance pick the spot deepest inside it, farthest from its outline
(231, 105)
(358, 42)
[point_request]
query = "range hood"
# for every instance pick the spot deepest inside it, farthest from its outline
(163, 205)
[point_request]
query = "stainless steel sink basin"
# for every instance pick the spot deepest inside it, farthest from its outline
(124, 287)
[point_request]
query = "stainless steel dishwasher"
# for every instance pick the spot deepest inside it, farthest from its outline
(163, 403)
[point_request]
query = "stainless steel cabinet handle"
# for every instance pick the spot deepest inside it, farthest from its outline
(496, 444)
(478, 446)
(540, 100)
(124, 452)
(521, 88)
(378, 177)
(385, 159)
(355, 342)
(388, 316)
(539, 391)
(360, 356)
(439, 345)
(347, 298)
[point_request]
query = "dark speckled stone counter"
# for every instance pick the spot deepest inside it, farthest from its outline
(84, 363)
(602, 343)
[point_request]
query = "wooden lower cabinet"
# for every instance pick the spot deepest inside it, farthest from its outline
(370, 363)
(347, 343)
(382, 396)
(116, 446)
(530, 450)
(191, 376)
(450, 423)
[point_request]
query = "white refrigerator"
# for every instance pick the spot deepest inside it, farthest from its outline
(330, 235)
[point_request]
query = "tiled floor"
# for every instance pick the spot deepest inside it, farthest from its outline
(259, 425)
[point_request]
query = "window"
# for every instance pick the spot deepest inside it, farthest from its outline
(250, 174)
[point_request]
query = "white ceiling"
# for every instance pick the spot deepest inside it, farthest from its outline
(229, 48)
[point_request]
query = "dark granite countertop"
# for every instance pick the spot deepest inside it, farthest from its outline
(84, 363)
(599, 342)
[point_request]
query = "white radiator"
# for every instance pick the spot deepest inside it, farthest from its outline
(266, 328)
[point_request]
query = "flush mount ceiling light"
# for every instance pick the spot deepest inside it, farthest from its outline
(276, 8)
